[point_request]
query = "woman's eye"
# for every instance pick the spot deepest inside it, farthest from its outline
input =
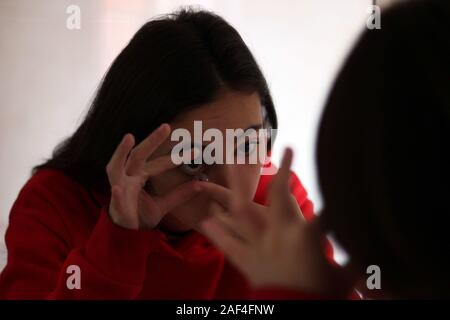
(247, 148)
(191, 168)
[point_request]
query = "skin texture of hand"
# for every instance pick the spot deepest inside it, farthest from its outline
(272, 246)
(129, 169)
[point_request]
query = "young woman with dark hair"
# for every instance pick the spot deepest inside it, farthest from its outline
(111, 205)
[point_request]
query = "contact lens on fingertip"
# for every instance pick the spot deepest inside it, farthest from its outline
(201, 177)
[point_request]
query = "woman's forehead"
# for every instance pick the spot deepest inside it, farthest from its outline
(234, 111)
(230, 110)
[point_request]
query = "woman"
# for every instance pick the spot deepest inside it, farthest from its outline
(110, 216)
(384, 172)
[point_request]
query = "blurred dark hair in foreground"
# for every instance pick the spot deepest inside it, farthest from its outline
(383, 153)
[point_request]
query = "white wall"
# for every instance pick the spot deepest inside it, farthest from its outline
(49, 73)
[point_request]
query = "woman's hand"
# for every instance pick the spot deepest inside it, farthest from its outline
(271, 246)
(128, 171)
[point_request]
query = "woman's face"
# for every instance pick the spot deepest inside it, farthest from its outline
(231, 110)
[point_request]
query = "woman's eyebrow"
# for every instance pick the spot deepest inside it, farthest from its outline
(255, 126)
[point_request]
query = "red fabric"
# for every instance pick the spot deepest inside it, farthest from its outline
(55, 223)
(282, 294)
(278, 293)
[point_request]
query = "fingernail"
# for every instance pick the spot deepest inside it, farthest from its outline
(164, 125)
(125, 138)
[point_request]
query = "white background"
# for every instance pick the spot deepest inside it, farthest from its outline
(48, 74)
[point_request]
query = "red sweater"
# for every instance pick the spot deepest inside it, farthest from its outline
(55, 223)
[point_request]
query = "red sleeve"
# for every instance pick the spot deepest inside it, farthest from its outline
(112, 263)
(278, 293)
(282, 294)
